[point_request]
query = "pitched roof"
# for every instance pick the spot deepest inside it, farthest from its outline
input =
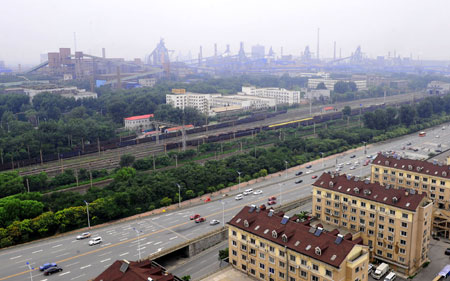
(136, 271)
(400, 198)
(146, 116)
(301, 237)
(418, 166)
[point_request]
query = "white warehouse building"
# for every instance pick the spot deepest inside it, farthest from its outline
(281, 96)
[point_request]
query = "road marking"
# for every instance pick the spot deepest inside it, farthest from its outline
(142, 248)
(105, 260)
(13, 258)
(157, 243)
(124, 254)
(59, 245)
(37, 251)
(173, 238)
(54, 252)
(105, 253)
(73, 264)
(78, 276)
(62, 255)
(123, 239)
(104, 245)
(64, 273)
(86, 266)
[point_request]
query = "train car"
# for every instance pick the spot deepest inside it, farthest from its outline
(289, 123)
(178, 128)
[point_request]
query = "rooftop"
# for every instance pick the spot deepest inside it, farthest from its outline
(146, 116)
(330, 248)
(400, 198)
(122, 270)
(419, 166)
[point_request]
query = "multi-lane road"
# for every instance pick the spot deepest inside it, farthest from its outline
(120, 241)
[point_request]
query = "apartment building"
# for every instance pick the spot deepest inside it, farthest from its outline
(421, 176)
(394, 223)
(270, 246)
(244, 102)
(281, 96)
(201, 102)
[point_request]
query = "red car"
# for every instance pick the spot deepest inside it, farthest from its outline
(196, 216)
(200, 220)
(273, 198)
(314, 177)
(272, 202)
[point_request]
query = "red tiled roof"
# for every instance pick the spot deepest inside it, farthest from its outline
(179, 128)
(331, 253)
(418, 166)
(370, 191)
(146, 116)
(136, 271)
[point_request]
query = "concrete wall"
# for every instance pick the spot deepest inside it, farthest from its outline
(200, 245)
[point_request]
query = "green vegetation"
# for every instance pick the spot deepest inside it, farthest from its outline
(223, 254)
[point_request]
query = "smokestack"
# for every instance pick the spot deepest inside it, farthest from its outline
(103, 53)
(215, 49)
(334, 54)
(340, 53)
(318, 33)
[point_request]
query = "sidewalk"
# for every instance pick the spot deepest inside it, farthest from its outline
(228, 274)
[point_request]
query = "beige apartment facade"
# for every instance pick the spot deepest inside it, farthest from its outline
(271, 246)
(393, 223)
(433, 179)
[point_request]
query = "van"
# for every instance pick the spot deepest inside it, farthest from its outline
(239, 197)
(380, 271)
(248, 191)
(391, 276)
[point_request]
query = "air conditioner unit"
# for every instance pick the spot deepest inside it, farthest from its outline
(308, 267)
(297, 266)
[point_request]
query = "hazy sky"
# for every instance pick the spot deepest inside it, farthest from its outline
(132, 28)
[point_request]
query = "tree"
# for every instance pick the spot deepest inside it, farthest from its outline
(321, 86)
(166, 201)
(125, 174)
(341, 87)
(425, 109)
(126, 160)
(347, 111)
(407, 115)
(186, 278)
(223, 254)
(10, 183)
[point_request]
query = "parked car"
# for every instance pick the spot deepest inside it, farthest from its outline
(95, 241)
(272, 202)
(257, 192)
(299, 181)
(196, 216)
(52, 270)
(239, 197)
(47, 265)
(201, 219)
(370, 268)
(314, 177)
(447, 252)
(299, 173)
(309, 171)
(352, 167)
(272, 198)
(84, 235)
(214, 222)
(309, 167)
(248, 191)
(353, 156)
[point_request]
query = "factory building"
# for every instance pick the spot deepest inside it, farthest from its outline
(395, 223)
(281, 96)
(270, 246)
(329, 83)
(140, 122)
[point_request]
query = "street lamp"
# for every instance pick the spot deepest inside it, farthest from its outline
(239, 185)
(223, 213)
(365, 151)
(281, 198)
(179, 195)
(31, 269)
(138, 232)
(286, 164)
(87, 208)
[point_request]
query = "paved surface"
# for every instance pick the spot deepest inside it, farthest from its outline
(81, 262)
(228, 274)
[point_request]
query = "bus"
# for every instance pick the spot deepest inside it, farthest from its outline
(422, 134)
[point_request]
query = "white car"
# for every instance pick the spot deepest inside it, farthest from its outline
(309, 171)
(340, 165)
(239, 197)
(352, 167)
(95, 241)
(214, 222)
(437, 136)
(348, 163)
(257, 192)
(248, 191)
(83, 236)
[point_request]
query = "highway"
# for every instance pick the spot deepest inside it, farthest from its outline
(82, 262)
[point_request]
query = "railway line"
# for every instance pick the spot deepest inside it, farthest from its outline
(109, 158)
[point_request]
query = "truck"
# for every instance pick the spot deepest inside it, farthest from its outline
(381, 270)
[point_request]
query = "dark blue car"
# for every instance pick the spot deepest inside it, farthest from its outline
(47, 265)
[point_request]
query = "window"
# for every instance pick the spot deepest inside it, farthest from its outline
(363, 204)
(271, 270)
(292, 258)
(272, 249)
(403, 233)
(291, 278)
(244, 267)
(319, 192)
(303, 262)
(402, 251)
(353, 201)
(391, 229)
(252, 240)
(252, 261)
(234, 243)
(372, 207)
(244, 257)
(243, 237)
(392, 212)
(271, 259)
(292, 268)
(252, 271)
(234, 253)
(234, 233)
(404, 215)
(402, 242)
(336, 197)
(363, 213)
(379, 252)
(389, 255)
(262, 245)
(353, 210)
(381, 226)
(281, 264)
(328, 273)
(262, 276)
(243, 247)
(262, 266)
(315, 267)
(281, 253)
(314, 278)
(252, 252)
(262, 256)
(303, 274)
(281, 274)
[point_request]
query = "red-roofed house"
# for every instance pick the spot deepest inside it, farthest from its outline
(140, 122)
(394, 223)
(271, 246)
(123, 270)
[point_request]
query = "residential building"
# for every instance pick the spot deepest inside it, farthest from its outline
(438, 87)
(394, 223)
(67, 92)
(147, 82)
(140, 122)
(244, 102)
(123, 270)
(182, 99)
(329, 83)
(270, 246)
(421, 176)
(281, 96)
(314, 94)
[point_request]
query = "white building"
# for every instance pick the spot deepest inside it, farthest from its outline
(244, 102)
(329, 83)
(438, 87)
(147, 82)
(141, 122)
(317, 94)
(201, 102)
(281, 96)
(67, 92)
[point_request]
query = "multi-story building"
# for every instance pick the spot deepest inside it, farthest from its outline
(421, 176)
(270, 246)
(67, 92)
(329, 83)
(181, 99)
(140, 122)
(281, 96)
(244, 102)
(147, 82)
(394, 223)
(438, 87)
